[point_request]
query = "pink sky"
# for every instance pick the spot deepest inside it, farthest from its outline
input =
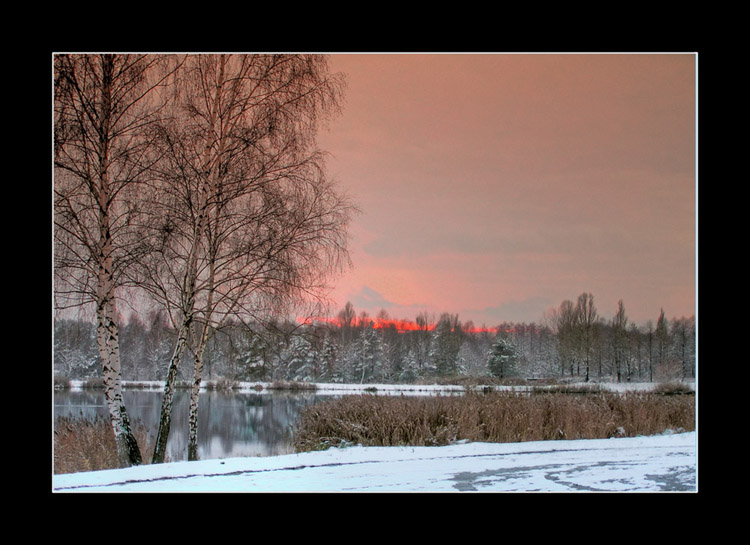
(494, 186)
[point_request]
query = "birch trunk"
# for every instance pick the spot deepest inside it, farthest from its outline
(106, 312)
(198, 367)
(194, 396)
(128, 452)
(190, 280)
(165, 416)
(213, 151)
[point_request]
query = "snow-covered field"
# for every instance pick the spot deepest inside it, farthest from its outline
(666, 462)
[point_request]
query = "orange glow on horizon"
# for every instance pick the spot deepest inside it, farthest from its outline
(401, 326)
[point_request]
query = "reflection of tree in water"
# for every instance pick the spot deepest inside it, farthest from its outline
(87, 404)
(229, 424)
(263, 422)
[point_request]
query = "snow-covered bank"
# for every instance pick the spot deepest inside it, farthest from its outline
(665, 462)
(418, 389)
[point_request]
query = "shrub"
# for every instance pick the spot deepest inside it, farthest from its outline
(569, 389)
(460, 380)
(61, 383)
(672, 388)
(222, 385)
(93, 382)
(293, 386)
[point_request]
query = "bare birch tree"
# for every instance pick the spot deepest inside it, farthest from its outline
(103, 108)
(245, 223)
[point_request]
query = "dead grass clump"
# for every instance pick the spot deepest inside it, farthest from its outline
(495, 417)
(94, 383)
(222, 385)
(469, 381)
(89, 445)
(569, 389)
(61, 383)
(673, 388)
(293, 386)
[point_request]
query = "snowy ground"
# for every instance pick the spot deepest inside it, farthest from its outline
(666, 462)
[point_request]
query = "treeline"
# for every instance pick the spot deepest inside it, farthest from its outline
(573, 343)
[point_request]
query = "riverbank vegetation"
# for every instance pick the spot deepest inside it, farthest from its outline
(81, 444)
(530, 413)
(372, 420)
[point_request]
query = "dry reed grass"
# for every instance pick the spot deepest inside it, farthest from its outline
(494, 417)
(89, 445)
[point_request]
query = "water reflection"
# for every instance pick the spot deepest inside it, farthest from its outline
(229, 424)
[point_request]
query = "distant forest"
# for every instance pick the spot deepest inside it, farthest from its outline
(573, 343)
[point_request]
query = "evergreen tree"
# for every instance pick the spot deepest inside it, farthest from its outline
(251, 360)
(328, 357)
(75, 350)
(300, 360)
(346, 364)
(502, 358)
(661, 336)
(369, 364)
(409, 371)
(446, 344)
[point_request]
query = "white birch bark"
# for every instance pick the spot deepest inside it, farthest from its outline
(195, 393)
(165, 415)
(103, 111)
(107, 327)
(190, 279)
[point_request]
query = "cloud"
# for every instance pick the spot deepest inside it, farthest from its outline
(525, 310)
(369, 298)
(372, 301)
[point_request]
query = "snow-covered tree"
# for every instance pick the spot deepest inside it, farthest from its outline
(472, 359)
(446, 343)
(75, 350)
(409, 371)
(502, 358)
(251, 358)
(683, 345)
(328, 357)
(369, 364)
(307, 369)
